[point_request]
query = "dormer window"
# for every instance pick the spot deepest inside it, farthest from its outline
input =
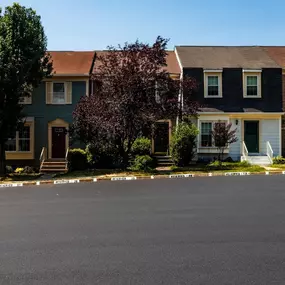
(252, 83)
(213, 83)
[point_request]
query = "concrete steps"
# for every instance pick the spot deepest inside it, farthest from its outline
(258, 160)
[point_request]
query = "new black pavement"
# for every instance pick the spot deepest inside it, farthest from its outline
(215, 230)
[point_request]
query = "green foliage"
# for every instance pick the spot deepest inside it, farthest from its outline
(141, 146)
(183, 143)
(9, 169)
(278, 160)
(143, 163)
(24, 62)
(102, 156)
(220, 164)
(77, 159)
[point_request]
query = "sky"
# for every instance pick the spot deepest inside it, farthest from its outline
(96, 24)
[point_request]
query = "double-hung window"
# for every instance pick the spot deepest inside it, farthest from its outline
(252, 84)
(206, 134)
(58, 94)
(213, 84)
(21, 142)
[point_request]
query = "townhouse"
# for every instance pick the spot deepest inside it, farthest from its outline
(49, 110)
(238, 85)
(241, 86)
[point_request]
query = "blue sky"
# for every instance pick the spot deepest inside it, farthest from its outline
(94, 24)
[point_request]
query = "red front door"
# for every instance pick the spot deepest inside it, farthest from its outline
(58, 142)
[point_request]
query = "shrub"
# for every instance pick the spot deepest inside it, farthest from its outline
(19, 170)
(103, 157)
(28, 170)
(77, 159)
(141, 146)
(278, 160)
(183, 143)
(9, 169)
(143, 163)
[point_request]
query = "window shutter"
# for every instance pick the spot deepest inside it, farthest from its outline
(48, 92)
(68, 92)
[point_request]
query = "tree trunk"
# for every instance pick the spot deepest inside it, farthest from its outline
(2, 160)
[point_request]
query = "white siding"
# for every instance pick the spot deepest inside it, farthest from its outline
(270, 131)
(235, 148)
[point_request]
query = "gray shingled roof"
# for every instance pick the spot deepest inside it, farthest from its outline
(218, 57)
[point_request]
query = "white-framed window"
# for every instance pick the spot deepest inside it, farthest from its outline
(206, 129)
(58, 93)
(21, 142)
(213, 84)
(206, 134)
(252, 84)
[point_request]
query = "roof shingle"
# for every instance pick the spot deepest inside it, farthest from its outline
(218, 57)
(171, 61)
(277, 54)
(72, 62)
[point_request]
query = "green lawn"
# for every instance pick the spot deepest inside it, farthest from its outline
(224, 167)
(198, 168)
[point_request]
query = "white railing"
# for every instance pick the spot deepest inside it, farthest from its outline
(66, 154)
(43, 155)
(244, 150)
(269, 151)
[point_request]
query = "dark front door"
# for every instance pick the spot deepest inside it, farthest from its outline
(251, 136)
(58, 142)
(161, 139)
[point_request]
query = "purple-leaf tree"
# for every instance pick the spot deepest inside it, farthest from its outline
(132, 90)
(223, 135)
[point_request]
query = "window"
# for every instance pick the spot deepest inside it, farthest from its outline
(24, 139)
(58, 96)
(252, 85)
(206, 134)
(213, 84)
(11, 144)
(21, 142)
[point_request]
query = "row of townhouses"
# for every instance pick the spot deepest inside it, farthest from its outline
(240, 85)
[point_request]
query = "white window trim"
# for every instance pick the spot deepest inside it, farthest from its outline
(65, 93)
(213, 148)
(17, 138)
(215, 72)
(247, 73)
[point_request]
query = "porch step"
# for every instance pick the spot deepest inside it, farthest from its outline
(163, 160)
(258, 160)
(54, 166)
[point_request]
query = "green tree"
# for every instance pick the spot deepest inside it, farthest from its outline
(24, 62)
(183, 143)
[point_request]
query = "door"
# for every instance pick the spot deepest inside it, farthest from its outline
(58, 142)
(251, 136)
(161, 139)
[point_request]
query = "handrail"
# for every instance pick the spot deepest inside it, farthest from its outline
(43, 156)
(66, 154)
(244, 149)
(269, 151)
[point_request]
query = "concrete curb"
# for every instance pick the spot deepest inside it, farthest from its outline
(133, 178)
